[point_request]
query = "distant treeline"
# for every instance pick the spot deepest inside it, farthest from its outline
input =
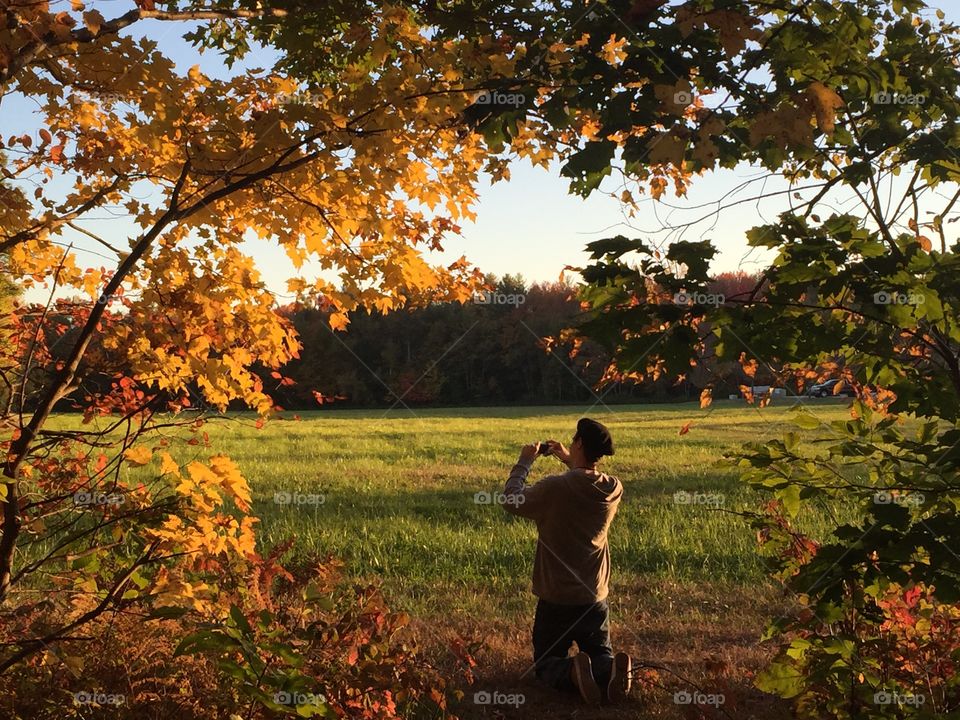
(487, 352)
(490, 351)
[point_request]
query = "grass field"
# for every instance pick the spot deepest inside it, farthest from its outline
(394, 496)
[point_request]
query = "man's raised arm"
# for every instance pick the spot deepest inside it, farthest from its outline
(522, 499)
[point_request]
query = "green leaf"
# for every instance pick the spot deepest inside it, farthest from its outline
(790, 497)
(806, 420)
(589, 166)
(168, 612)
(781, 678)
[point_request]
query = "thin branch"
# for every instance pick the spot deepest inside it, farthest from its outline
(52, 224)
(30, 53)
(35, 645)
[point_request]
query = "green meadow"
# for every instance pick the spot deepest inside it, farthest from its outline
(406, 499)
(395, 493)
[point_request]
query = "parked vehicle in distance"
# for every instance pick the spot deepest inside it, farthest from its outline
(826, 389)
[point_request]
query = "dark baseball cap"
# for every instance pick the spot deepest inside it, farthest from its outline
(595, 437)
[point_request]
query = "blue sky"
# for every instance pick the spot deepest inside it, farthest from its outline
(530, 224)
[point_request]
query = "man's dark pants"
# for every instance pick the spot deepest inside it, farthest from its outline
(555, 627)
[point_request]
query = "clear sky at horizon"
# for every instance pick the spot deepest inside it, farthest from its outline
(530, 225)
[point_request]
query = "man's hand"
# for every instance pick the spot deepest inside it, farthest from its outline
(558, 450)
(528, 453)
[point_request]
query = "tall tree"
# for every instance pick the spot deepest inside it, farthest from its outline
(855, 102)
(346, 173)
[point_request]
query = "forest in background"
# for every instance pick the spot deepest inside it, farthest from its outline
(506, 346)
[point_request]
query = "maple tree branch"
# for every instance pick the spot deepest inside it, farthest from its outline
(29, 53)
(940, 218)
(96, 237)
(54, 223)
(178, 187)
(20, 447)
(52, 554)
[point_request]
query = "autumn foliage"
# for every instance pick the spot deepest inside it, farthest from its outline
(363, 175)
(357, 153)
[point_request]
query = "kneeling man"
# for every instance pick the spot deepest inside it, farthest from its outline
(571, 570)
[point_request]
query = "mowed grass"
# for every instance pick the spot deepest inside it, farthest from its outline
(393, 494)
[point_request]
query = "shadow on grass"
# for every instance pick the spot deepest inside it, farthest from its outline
(445, 535)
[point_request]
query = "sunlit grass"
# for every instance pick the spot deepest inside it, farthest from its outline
(393, 493)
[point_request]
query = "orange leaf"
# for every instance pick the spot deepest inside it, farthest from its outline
(686, 428)
(825, 104)
(338, 321)
(139, 455)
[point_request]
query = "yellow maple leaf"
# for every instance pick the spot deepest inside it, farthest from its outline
(612, 50)
(232, 480)
(338, 321)
(168, 465)
(139, 455)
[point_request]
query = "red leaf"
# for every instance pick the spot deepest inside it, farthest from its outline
(910, 596)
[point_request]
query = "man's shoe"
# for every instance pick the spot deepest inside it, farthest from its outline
(619, 684)
(582, 675)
